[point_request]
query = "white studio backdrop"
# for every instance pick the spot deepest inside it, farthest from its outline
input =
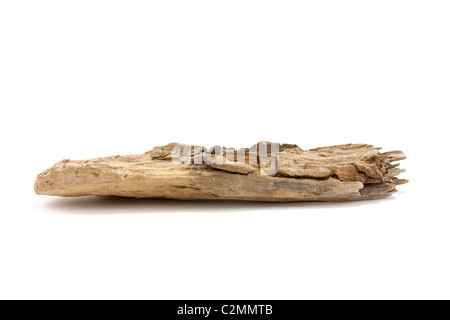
(96, 78)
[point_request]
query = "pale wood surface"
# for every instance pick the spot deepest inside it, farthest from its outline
(337, 173)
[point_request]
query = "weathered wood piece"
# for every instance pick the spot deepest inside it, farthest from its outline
(337, 173)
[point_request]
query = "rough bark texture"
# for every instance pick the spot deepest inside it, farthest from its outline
(337, 173)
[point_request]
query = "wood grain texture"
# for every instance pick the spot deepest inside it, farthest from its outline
(337, 173)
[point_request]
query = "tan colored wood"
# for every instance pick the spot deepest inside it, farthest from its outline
(337, 173)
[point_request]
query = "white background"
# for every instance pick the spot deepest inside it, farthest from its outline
(81, 79)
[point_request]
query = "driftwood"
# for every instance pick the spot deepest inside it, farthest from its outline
(337, 173)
